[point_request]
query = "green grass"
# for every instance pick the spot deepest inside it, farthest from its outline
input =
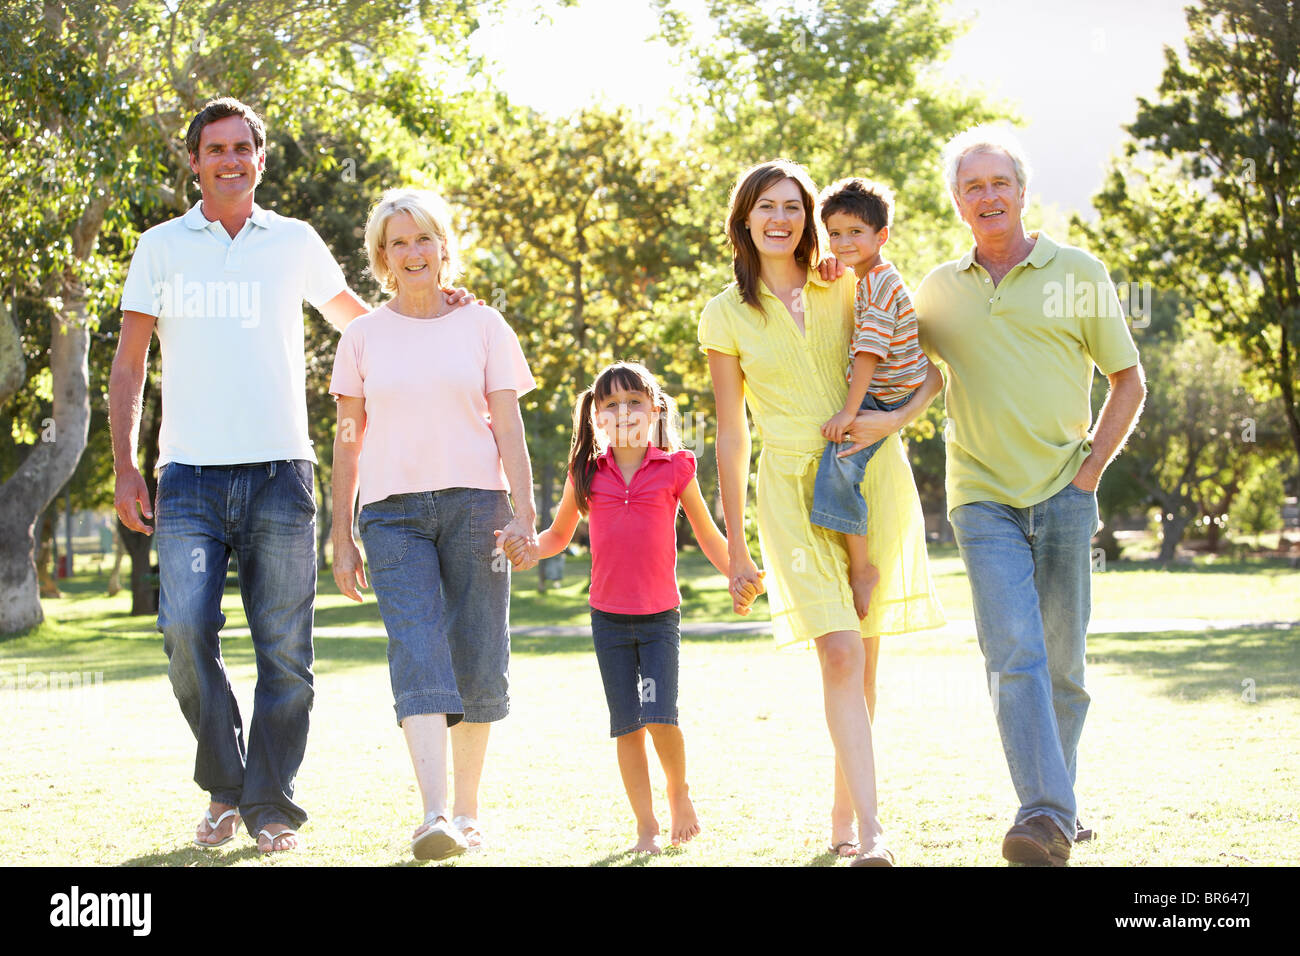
(1178, 766)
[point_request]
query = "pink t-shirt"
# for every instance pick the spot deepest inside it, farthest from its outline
(426, 383)
(634, 532)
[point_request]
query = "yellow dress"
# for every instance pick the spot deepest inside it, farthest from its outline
(793, 384)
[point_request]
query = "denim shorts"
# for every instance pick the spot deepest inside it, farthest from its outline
(444, 599)
(837, 493)
(637, 654)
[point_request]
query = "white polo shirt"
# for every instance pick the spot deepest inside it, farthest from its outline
(230, 324)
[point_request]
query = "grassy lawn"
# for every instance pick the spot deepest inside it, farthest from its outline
(1190, 754)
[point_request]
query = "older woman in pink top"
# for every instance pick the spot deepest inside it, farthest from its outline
(430, 433)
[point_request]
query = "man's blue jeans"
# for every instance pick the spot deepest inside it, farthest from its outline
(266, 515)
(1030, 576)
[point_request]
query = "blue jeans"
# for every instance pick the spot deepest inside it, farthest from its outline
(638, 656)
(266, 515)
(837, 492)
(444, 599)
(1030, 577)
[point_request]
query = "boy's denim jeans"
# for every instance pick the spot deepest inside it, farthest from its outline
(837, 492)
(1030, 576)
(266, 514)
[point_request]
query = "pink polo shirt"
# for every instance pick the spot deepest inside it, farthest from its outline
(634, 532)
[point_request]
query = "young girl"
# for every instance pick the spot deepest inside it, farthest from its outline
(627, 474)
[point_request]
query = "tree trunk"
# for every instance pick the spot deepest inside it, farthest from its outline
(51, 462)
(138, 545)
(1212, 537)
(13, 365)
(544, 513)
(1171, 532)
(45, 558)
(115, 579)
(143, 600)
(322, 517)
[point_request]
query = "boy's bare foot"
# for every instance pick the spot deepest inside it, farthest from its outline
(210, 836)
(647, 842)
(686, 825)
(863, 582)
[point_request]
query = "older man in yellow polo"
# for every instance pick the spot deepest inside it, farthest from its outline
(1020, 322)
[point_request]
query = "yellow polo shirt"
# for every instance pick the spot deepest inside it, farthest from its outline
(1020, 360)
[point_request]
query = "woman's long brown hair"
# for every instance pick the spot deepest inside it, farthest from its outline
(744, 254)
(584, 449)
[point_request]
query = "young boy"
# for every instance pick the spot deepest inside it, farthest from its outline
(886, 364)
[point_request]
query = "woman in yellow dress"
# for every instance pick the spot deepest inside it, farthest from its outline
(776, 341)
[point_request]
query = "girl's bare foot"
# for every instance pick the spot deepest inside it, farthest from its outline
(863, 582)
(685, 823)
(647, 841)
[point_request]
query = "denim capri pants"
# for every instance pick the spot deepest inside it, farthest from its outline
(444, 599)
(637, 654)
(838, 504)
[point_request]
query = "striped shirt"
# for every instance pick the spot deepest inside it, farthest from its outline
(884, 324)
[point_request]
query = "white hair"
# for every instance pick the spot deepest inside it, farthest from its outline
(984, 139)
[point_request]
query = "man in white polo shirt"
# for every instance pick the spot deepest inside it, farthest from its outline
(223, 286)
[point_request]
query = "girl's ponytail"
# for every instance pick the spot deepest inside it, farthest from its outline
(582, 450)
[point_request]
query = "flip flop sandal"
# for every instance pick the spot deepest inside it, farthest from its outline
(835, 850)
(438, 842)
(273, 837)
(212, 828)
(471, 831)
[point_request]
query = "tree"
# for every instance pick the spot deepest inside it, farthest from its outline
(585, 234)
(1230, 234)
(1202, 436)
(847, 89)
(94, 102)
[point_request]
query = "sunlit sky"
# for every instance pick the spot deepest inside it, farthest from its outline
(1072, 70)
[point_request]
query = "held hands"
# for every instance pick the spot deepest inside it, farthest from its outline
(349, 571)
(745, 583)
(518, 542)
(866, 428)
(834, 429)
(129, 490)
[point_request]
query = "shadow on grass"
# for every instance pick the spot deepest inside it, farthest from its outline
(193, 856)
(1194, 665)
(625, 858)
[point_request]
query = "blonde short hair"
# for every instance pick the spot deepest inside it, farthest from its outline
(984, 139)
(430, 213)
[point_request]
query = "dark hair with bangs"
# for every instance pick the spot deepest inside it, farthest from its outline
(585, 449)
(873, 203)
(744, 196)
(219, 109)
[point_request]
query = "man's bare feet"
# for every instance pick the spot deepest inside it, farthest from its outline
(276, 838)
(685, 824)
(863, 582)
(206, 835)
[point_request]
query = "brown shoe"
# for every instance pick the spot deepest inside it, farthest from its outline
(1036, 842)
(1083, 834)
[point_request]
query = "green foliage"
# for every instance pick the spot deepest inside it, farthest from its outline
(1224, 227)
(585, 236)
(1258, 509)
